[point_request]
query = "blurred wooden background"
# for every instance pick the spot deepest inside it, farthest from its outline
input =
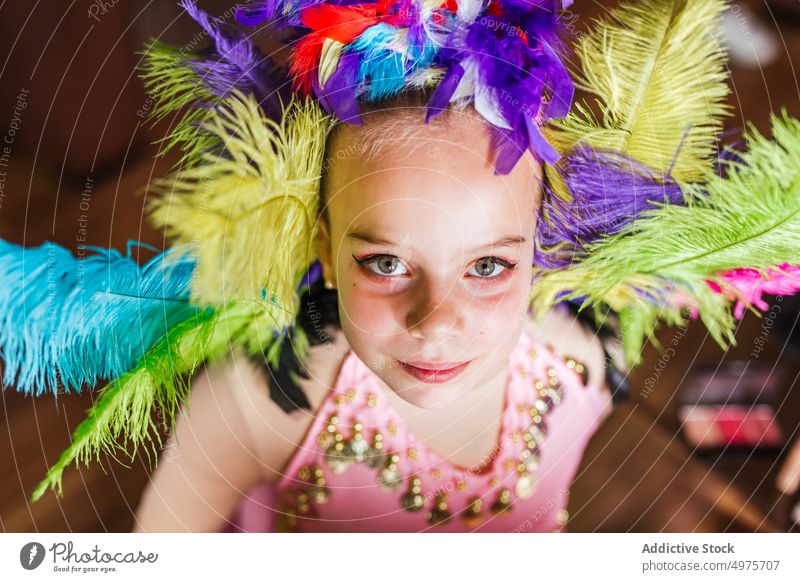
(83, 125)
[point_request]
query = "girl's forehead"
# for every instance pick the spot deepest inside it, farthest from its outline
(430, 212)
(450, 179)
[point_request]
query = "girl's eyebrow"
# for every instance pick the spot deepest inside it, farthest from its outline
(506, 241)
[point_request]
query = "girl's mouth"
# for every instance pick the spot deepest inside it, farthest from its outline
(431, 373)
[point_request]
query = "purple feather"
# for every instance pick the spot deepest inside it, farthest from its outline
(233, 62)
(517, 73)
(339, 95)
(255, 13)
(444, 90)
(609, 191)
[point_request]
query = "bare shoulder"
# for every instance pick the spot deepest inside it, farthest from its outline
(568, 337)
(275, 433)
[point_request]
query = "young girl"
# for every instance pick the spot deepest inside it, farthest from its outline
(370, 287)
(453, 411)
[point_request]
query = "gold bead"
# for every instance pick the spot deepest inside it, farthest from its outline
(372, 400)
(436, 474)
(526, 485)
(287, 518)
(536, 433)
(412, 454)
(319, 492)
(562, 517)
(530, 462)
(332, 424)
(390, 478)
(350, 395)
(502, 504)
(472, 516)
(337, 459)
(412, 500)
(439, 514)
(357, 447)
(461, 485)
(579, 369)
(392, 428)
(338, 401)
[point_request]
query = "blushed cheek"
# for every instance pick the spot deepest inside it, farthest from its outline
(369, 315)
(504, 314)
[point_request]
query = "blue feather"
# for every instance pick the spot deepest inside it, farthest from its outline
(380, 66)
(82, 319)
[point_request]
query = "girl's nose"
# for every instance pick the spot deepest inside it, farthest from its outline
(436, 314)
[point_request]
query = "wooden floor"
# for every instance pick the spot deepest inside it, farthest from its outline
(637, 474)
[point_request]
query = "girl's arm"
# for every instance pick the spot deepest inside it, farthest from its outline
(209, 461)
(570, 337)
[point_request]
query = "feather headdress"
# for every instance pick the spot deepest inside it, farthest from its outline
(646, 216)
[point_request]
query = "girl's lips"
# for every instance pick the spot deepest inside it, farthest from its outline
(434, 376)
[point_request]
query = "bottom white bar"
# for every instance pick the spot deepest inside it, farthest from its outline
(389, 557)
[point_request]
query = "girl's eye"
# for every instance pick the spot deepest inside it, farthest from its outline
(390, 266)
(486, 267)
(385, 265)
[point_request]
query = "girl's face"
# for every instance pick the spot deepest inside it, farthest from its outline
(431, 254)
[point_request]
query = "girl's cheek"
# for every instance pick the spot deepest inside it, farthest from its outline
(370, 312)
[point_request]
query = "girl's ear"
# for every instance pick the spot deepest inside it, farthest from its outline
(324, 250)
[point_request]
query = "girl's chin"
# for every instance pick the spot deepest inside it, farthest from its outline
(431, 396)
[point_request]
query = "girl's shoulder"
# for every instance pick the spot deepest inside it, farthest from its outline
(275, 434)
(567, 337)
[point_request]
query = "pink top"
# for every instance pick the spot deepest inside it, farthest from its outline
(549, 416)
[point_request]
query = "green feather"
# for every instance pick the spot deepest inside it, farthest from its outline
(749, 219)
(123, 410)
(172, 86)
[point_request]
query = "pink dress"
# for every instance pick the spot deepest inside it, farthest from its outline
(359, 469)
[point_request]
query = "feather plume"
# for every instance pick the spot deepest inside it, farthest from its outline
(177, 79)
(657, 74)
(249, 215)
(608, 191)
(172, 86)
(748, 219)
(123, 411)
(748, 286)
(86, 318)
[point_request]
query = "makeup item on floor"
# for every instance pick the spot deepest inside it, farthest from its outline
(730, 407)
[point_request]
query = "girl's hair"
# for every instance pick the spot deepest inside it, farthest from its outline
(385, 121)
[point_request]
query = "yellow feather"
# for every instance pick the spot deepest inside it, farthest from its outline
(250, 214)
(658, 74)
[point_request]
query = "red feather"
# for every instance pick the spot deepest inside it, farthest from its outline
(305, 62)
(342, 23)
